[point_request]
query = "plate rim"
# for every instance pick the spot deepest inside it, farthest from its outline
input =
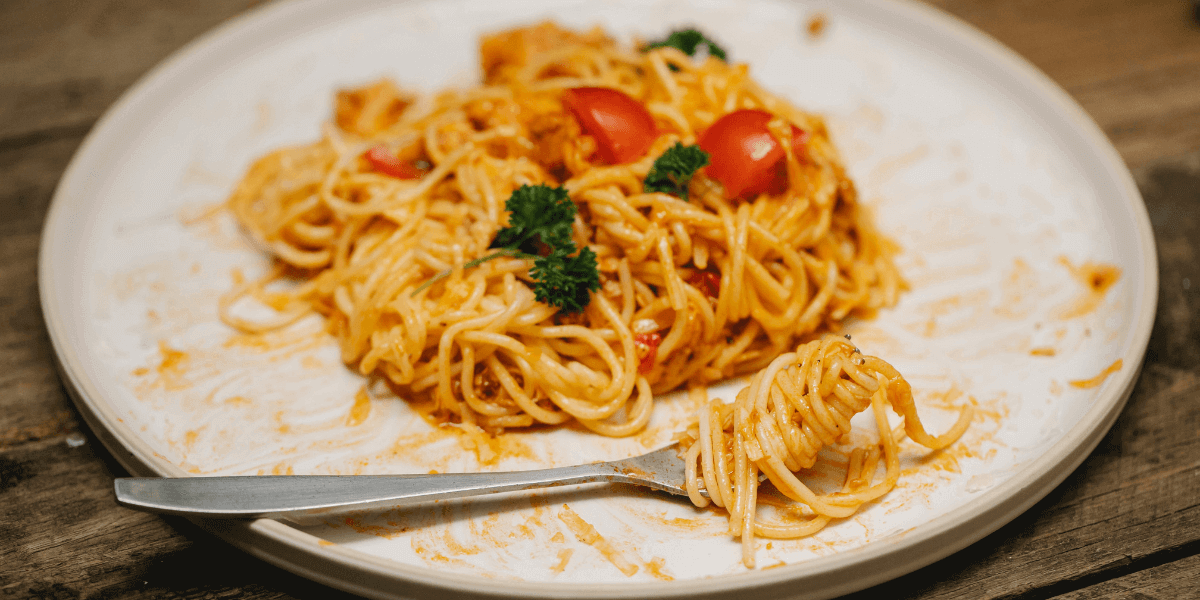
(840, 573)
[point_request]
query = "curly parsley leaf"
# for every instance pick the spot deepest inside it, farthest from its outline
(566, 281)
(673, 170)
(688, 41)
(540, 219)
(537, 213)
(539, 229)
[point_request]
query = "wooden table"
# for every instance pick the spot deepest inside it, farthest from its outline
(1125, 525)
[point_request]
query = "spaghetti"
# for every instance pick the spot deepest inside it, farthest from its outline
(403, 188)
(800, 403)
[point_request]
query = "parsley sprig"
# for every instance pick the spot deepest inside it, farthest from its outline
(688, 41)
(537, 213)
(539, 222)
(672, 171)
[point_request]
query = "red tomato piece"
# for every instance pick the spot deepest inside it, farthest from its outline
(622, 127)
(385, 162)
(743, 154)
(647, 346)
(708, 282)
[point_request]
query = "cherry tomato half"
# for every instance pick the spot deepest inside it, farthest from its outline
(743, 154)
(384, 161)
(623, 128)
(646, 345)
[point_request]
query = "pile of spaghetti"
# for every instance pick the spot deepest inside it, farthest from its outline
(709, 225)
(799, 404)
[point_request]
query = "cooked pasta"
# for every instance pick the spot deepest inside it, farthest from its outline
(799, 404)
(375, 227)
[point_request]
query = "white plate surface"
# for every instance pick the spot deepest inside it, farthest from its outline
(988, 175)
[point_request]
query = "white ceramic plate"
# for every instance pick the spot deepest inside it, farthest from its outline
(988, 175)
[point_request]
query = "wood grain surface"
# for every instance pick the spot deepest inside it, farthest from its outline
(1126, 524)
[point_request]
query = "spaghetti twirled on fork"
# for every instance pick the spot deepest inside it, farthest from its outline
(800, 403)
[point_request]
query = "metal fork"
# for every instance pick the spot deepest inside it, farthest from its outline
(306, 496)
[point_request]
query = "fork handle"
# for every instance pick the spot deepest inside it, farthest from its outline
(290, 496)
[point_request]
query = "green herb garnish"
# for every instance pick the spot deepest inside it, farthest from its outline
(674, 169)
(688, 41)
(566, 281)
(539, 221)
(537, 213)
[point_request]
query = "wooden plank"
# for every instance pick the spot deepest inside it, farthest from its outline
(62, 63)
(1178, 579)
(32, 405)
(1172, 195)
